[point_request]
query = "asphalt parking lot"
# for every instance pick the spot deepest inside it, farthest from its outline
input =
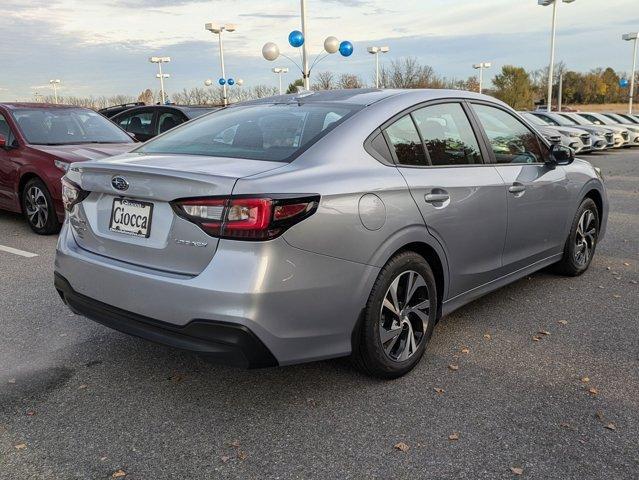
(546, 385)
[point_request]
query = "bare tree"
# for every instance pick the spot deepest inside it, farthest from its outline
(147, 97)
(349, 80)
(324, 81)
(409, 73)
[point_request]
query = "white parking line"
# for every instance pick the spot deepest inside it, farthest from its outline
(15, 251)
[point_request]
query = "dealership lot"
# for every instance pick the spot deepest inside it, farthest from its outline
(539, 376)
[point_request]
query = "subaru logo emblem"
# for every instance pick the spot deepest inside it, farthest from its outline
(119, 183)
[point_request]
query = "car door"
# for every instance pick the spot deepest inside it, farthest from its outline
(8, 165)
(538, 196)
(460, 197)
(138, 122)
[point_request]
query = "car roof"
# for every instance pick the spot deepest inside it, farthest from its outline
(366, 96)
(32, 105)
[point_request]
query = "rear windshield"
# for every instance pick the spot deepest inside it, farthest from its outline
(66, 126)
(275, 132)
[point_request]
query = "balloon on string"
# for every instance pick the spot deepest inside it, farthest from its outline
(331, 45)
(346, 48)
(270, 51)
(623, 83)
(230, 81)
(221, 81)
(296, 38)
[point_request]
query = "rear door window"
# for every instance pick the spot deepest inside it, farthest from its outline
(405, 140)
(448, 135)
(169, 120)
(139, 123)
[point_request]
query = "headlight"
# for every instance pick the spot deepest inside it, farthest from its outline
(64, 166)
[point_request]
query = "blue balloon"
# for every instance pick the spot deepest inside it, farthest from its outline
(230, 81)
(346, 48)
(221, 81)
(296, 38)
(623, 83)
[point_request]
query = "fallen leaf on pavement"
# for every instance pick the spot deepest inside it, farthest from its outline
(235, 443)
(626, 264)
(453, 436)
(616, 295)
(439, 390)
(487, 336)
(611, 426)
(225, 458)
(402, 447)
(535, 338)
(517, 470)
(543, 332)
(118, 473)
(563, 322)
(634, 282)
(20, 446)
(465, 350)
(454, 368)
(564, 425)
(593, 391)
(31, 413)
(585, 379)
(11, 380)
(82, 387)
(600, 415)
(102, 459)
(242, 456)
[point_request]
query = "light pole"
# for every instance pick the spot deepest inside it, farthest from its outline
(280, 71)
(632, 37)
(54, 83)
(480, 67)
(551, 67)
(376, 51)
(217, 30)
(161, 76)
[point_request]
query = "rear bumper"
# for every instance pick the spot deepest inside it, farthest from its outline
(228, 343)
(301, 306)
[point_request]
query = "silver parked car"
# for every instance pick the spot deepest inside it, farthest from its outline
(579, 140)
(620, 135)
(318, 225)
(601, 138)
(603, 120)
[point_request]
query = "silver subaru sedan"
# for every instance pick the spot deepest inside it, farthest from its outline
(317, 225)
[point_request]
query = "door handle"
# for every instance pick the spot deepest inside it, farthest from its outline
(517, 188)
(436, 197)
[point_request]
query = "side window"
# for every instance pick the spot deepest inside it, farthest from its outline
(5, 130)
(405, 141)
(139, 123)
(510, 139)
(168, 120)
(448, 135)
(592, 119)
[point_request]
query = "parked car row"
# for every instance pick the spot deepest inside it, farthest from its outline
(588, 131)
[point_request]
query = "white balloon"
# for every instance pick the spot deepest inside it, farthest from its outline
(239, 82)
(331, 44)
(208, 82)
(270, 51)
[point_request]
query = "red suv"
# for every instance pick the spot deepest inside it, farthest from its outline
(38, 142)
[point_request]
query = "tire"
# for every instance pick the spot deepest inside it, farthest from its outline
(582, 240)
(396, 355)
(38, 208)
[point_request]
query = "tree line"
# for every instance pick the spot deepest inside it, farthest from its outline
(514, 85)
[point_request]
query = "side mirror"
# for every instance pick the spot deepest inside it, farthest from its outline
(3, 141)
(561, 155)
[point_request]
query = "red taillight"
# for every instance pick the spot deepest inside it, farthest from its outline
(246, 218)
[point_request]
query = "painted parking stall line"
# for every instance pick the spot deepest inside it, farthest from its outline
(15, 251)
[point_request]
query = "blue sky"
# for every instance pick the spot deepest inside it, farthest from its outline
(101, 47)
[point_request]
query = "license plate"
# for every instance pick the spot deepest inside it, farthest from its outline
(131, 217)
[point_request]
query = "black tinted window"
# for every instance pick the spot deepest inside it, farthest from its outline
(510, 139)
(137, 123)
(406, 142)
(448, 135)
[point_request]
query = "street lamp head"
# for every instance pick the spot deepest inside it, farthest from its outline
(630, 36)
(164, 75)
(270, 51)
(159, 59)
(477, 66)
(57, 80)
(213, 27)
(331, 45)
(372, 50)
(384, 49)
(545, 3)
(230, 27)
